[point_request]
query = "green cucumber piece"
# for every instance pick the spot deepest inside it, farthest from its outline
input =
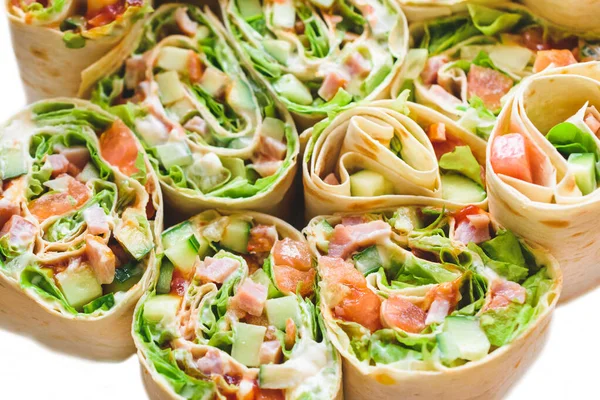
(323, 232)
(79, 286)
(406, 220)
(126, 277)
(170, 87)
(367, 183)
(249, 8)
(279, 310)
(449, 351)
(235, 166)
(162, 308)
(13, 162)
(464, 336)
(236, 236)
(279, 49)
(133, 234)
(289, 87)
(583, 167)
(274, 128)
(177, 233)
(163, 284)
(183, 254)
(247, 340)
(460, 189)
(173, 59)
(88, 173)
(368, 260)
(174, 153)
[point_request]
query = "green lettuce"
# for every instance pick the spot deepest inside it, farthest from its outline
(462, 160)
(569, 139)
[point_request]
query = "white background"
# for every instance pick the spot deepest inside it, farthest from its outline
(566, 369)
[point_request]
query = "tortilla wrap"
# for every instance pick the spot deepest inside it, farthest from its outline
(189, 336)
(214, 136)
(329, 72)
(467, 74)
(551, 208)
(51, 51)
(576, 16)
(79, 227)
(390, 139)
(420, 10)
(423, 356)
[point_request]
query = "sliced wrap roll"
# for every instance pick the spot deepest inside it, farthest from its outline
(576, 16)
(319, 56)
(542, 169)
(419, 10)
(55, 40)
(431, 304)
(232, 314)
(212, 133)
(388, 153)
(81, 212)
(465, 64)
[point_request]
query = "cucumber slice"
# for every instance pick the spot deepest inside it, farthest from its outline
(126, 277)
(291, 88)
(79, 286)
(247, 340)
(170, 87)
(162, 308)
(249, 8)
(177, 233)
(240, 96)
(235, 165)
(284, 14)
(181, 110)
(236, 236)
(273, 128)
(278, 49)
(282, 308)
(173, 59)
(367, 183)
(163, 284)
(214, 81)
(323, 232)
(134, 234)
(459, 189)
(465, 335)
(368, 260)
(13, 162)
(448, 349)
(239, 143)
(583, 167)
(183, 254)
(174, 153)
(88, 173)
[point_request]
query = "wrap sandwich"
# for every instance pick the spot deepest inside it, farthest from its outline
(466, 63)
(424, 304)
(419, 10)
(576, 16)
(543, 169)
(319, 56)
(233, 315)
(80, 214)
(212, 133)
(388, 153)
(54, 40)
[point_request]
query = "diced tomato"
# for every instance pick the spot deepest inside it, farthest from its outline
(54, 204)
(195, 67)
(331, 84)
(357, 303)
(179, 284)
(397, 312)
(270, 394)
(290, 279)
(347, 239)
(99, 16)
(506, 292)
(437, 132)
(290, 333)
(292, 253)
(534, 40)
(429, 75)
(556, 58)
(447, 146)
(592, 123)
(262, 238)
(254, 262)
(119, 148)
(489, 85)
(462, 214)
(358, 65)
(510, 156)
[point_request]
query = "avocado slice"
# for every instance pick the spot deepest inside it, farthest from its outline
(583, 167)
(170, 87)
(460, 189)
(281, 309)
(162, 308)
(279, 49)
(367, 183)
(289, 87)
(174, 153)
(247, 340)
(236, 236)
(463, 338)
(79, 286)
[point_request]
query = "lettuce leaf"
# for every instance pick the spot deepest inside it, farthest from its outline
(491, 22)
(569, 139)
(512, 272)
(462, 160)
(42, 282)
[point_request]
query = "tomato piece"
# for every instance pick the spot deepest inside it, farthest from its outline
(446, 146)
(54, 204)
(398, 312)
(437, 132)
(461, 215)
(119, 148)
(270, 394)
(195, 67)
(558, 58)
(290, 279)
(510, 156)
(489, 85)
(292, 253)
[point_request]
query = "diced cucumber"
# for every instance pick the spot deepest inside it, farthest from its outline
(278, 49)
(466, 335)
(235, 165)
(292, 89)
(277, 376)
(284, 14)
(214, 81)
(260, 276)
(173, 59)
(177, 233)
(174, 153)
(323, 232)
(181, 109)
(88, 172)
(460, 189)
(152, 130)
(163, 284)
(274, 128)
(236, 235)
(367, 183)
(13, 162)
(170, 87)
(126, 276)
(240, 96)
(239, 143)
(134, 234)
(162, 308)
(448, 348)
(79, 286)
(282, 308)
(368, 260)
(249, 8)
(247, 340)
(406, 220)
(183, 254)
(583, 167)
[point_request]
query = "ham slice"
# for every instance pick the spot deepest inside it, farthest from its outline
(96, 220)
(7, 210)
(333, 81)
(465, 232)
(21, 232)
(441, 300)
(506, 292)
(489, 85)
(270, 352)
(196, 124)
(429, 75)
(292, 253)
(262, 238)
(183, 21)
(443, 97)
(76, 155)
(59, 164)
(216, 270)
(101, 258)
(331, 179)
(358, 65)
(250, 298)
(347, 239)
(397, 312)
